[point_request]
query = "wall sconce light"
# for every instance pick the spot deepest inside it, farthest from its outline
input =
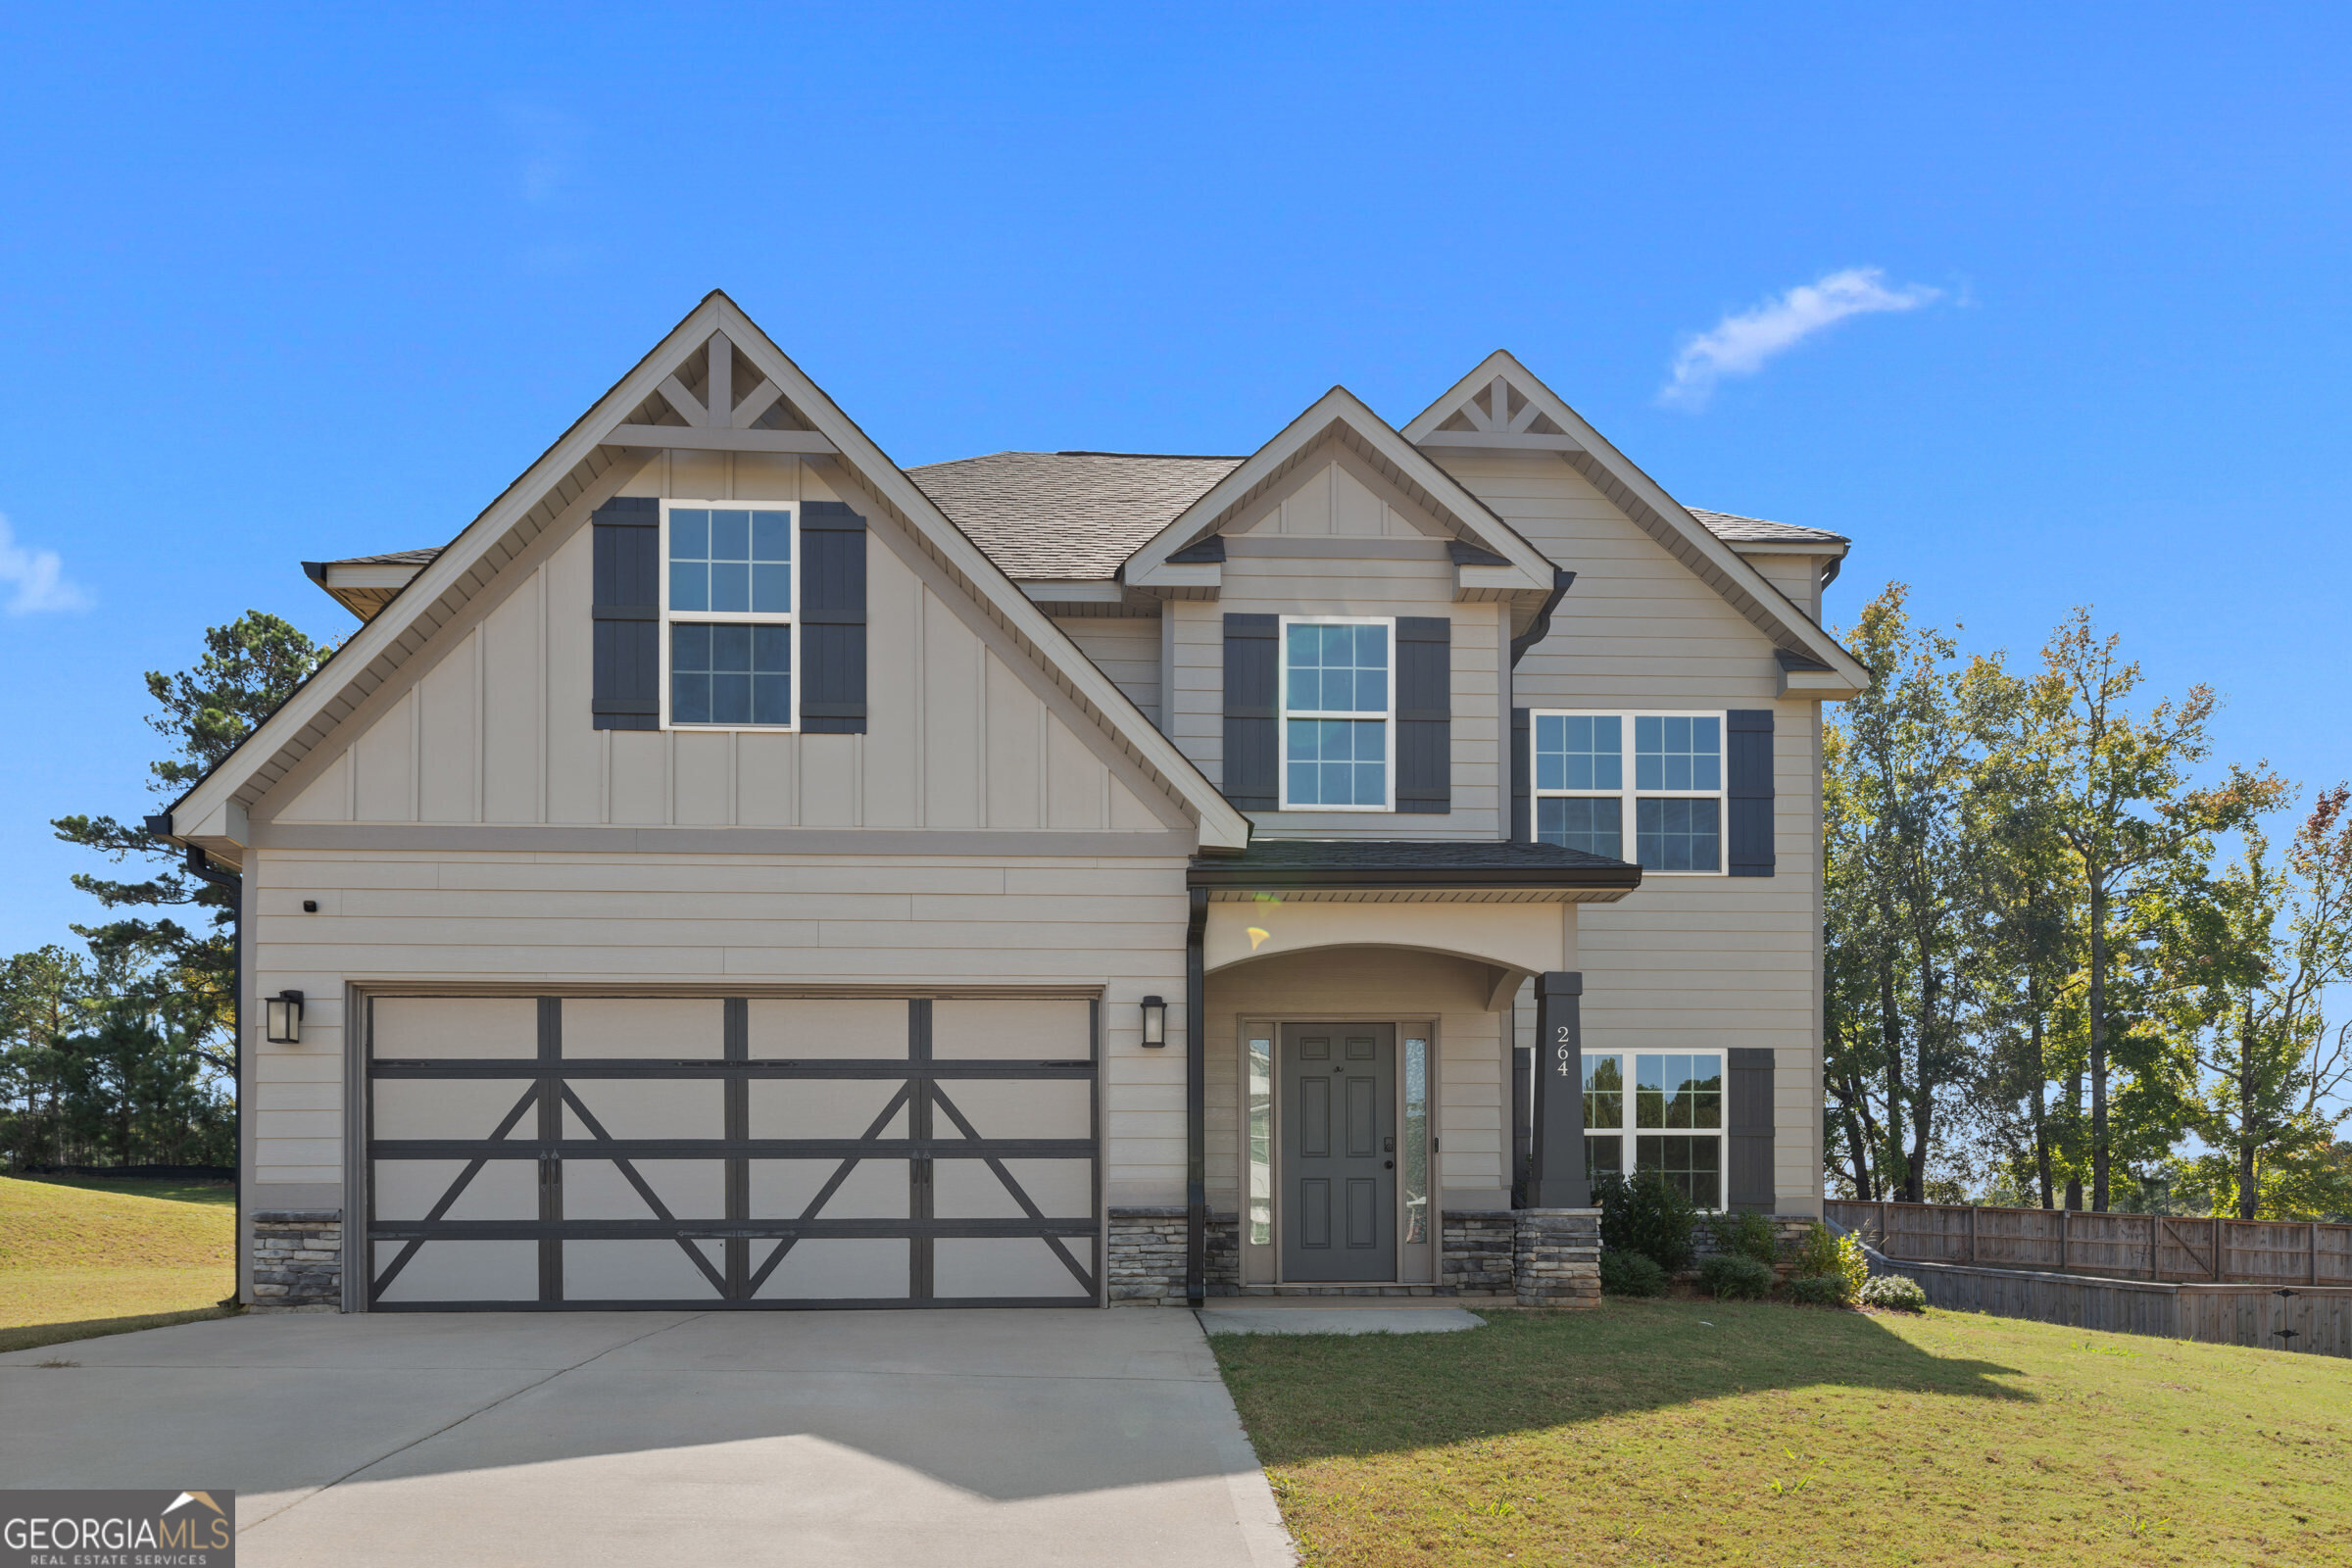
(285, 1027)
(1156, 1021)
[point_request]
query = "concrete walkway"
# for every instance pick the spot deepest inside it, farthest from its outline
(657, 1438)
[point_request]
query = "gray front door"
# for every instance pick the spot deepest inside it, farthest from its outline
(1339, 1152)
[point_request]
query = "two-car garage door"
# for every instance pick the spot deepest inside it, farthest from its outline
(544, 1152)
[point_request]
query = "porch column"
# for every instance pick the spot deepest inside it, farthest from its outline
(1555, 1176)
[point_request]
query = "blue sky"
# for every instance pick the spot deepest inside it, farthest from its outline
(303, 283)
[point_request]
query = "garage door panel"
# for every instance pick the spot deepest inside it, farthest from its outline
(449, 1107)
(503, 1189)
(1006, 1265)
(441, 1028)
(1012, 1031)
(449, 1270)
(967, 1188)
(633, 1271)
(648, 1108)
(1011, 1107)
(840, 1268)
(818, 1107)
(874, 1188)
(690, 1189)
(820, 1028)
(676, 1028)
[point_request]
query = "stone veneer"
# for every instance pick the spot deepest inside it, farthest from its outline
(1533, 1258)
(1787, 1234)
(1556, 1258)
(297, 1260)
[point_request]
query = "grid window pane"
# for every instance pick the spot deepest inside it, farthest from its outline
(1678, 753)
(1338, 761)
(732, 560)
(1580, 751)
(1680, 1090)
(1338, 670)
(1595, 826)
(730, 674)
(1692, 1165)
(1677, 835)
(1604, 1156)
(1604, 1092)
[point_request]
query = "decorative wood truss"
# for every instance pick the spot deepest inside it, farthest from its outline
(1499, 417)
(714, 420)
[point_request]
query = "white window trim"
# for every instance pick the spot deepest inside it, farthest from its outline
(789, 617)
(1627, 813)
(1625, 1131)
(1385, 718)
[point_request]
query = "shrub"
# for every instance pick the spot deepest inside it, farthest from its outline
(1894, 1293)
(1630, 1274)
(1646, 1215)
(1826, 1255)
(1746, 1234)
(1734, 1278)
(1818, 1289)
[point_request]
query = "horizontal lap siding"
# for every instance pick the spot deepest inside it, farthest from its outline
(1684, 962)
(583, 920)
(1125, 648)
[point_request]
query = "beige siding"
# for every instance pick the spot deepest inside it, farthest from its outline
(1684, 962)
(1797, 576)
(1126, 648)
(964, 730)
(730, 922)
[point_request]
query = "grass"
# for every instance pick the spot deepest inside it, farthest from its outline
(80, 1256)
(1673, 1431)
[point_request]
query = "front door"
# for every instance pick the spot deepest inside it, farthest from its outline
(1339, 1152)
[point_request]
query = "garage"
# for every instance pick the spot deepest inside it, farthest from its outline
(603, 1153)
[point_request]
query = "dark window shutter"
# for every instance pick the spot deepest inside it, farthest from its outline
(832, 619)
(1424, 714)
(1523, 794)
(626, 690)
(1253, 686)
(1747, 789)
(1750, 1091)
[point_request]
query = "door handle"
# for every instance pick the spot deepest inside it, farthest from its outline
(1387, 1164)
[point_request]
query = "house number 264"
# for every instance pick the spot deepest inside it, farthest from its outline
(1564, 1045)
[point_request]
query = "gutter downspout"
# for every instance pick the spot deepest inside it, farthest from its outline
(1541, 627)
(1196, 1101)
(198, 866)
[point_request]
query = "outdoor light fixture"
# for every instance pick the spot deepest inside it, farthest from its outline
(1156, 1021)
(284, 1018)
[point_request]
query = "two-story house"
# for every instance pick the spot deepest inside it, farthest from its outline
(736, 871)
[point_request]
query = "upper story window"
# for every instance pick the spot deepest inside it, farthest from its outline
(1338, 692)
(728, 627)
(1670, 787)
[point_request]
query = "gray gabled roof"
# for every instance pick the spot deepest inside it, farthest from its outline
(1067, 515)
(1733, 529)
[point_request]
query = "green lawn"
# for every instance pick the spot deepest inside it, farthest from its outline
(1677, 1431)
(81, 1257)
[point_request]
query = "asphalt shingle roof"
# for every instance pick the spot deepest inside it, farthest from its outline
(1374, 862)
(1733, 529)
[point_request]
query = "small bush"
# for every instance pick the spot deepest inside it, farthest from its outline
(1894, 1293)
(1733, 1278)
(1818, 1289)
(1746, 1234)
(1630, 1274)
(1646, 1215)
(1826, 1255)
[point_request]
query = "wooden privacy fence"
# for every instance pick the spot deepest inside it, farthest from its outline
(2312, 1321)
(2157, 1247)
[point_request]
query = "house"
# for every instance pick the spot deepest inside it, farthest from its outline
(736, 871)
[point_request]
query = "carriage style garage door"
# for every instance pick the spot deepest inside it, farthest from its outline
(580, 1152)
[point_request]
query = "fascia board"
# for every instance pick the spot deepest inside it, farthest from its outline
(1714, 562)
(1788, 547)
(1221, 825)
(370, 576)
(1147, 566)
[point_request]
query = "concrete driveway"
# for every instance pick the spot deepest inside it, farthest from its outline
(642, 1438)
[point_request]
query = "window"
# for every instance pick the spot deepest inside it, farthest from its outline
(1262, 1141)
(1338, 692)
(1671, 1115)
(1670, 795)
(1413, 1153)
(728, 628)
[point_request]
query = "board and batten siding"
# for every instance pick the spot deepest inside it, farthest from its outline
(724, 924)
(1126, 648)
(1684, 963)
(1327, 525)
(964, 731)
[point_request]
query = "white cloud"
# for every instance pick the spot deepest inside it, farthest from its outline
(1744, 341)
(37, 576)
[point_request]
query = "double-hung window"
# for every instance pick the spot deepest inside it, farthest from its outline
(1339, 694)
(728, 628)
(1669, 1120)
(1650, 784)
